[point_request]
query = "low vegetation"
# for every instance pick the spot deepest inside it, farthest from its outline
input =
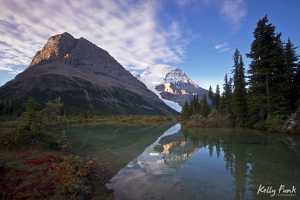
(128, 119)
(34, 163)
(213, 120)
(35, 173)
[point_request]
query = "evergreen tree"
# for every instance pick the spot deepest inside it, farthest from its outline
(52, 110)
(185, 110)
(281, 82)
(205, 107)
(222, 105)
(197, 105)
(33, 119)
(217, 97)
(211, 97)
(291, 59)
(265, 54)
(239, 94)
(226, 99)
(193, 106)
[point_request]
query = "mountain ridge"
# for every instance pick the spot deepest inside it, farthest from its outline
(78, 70)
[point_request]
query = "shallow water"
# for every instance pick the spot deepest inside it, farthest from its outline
(167, 162)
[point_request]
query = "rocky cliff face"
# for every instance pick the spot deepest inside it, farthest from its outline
(79, 71)
(170, 88)
(171, 82)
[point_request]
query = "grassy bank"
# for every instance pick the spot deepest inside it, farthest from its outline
(126, 119)
(37, 165)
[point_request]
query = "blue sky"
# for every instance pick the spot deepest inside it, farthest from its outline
(198, 36)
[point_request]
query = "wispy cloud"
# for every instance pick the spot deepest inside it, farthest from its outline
(126, 29)
(234, 11)
(222, 47)
(188, 2)
(178, 44)
(219, 46)
(224, 50)
(10, 69)
(184, 2)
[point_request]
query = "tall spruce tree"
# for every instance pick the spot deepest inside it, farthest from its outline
(227, 96)
(192, 106)
(265, 54)
(211, 97)
(281, 85)
(205, 108)
(225, 104)
(217, 97)
(291, 59)
(185, 110)
(196, 105)
(239, 93)
(222, 104)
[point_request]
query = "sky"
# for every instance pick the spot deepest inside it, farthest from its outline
(198, 36)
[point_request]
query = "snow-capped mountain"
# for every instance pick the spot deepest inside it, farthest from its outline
(171, 84)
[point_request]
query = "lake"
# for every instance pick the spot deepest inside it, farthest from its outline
(168, 162)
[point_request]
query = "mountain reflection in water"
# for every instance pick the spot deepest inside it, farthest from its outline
(167, 162)
(114, 143)
(210, 164)
(167, 154)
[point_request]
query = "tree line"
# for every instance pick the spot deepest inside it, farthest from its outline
(12, 109)
(272, 87)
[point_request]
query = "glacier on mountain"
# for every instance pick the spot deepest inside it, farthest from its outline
(160, 74)
(170, 84)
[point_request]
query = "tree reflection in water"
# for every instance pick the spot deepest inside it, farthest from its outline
(167, 162)
(176, 166)
(252, 158)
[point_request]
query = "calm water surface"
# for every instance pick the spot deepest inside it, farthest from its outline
(167, 162)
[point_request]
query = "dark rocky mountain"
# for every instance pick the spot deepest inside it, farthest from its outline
(85, 77)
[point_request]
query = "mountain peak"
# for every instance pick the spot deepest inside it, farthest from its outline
(79, 71)
(158, 70)
(64, 47)
(56, 48)
(66, 34)
(170, 83)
